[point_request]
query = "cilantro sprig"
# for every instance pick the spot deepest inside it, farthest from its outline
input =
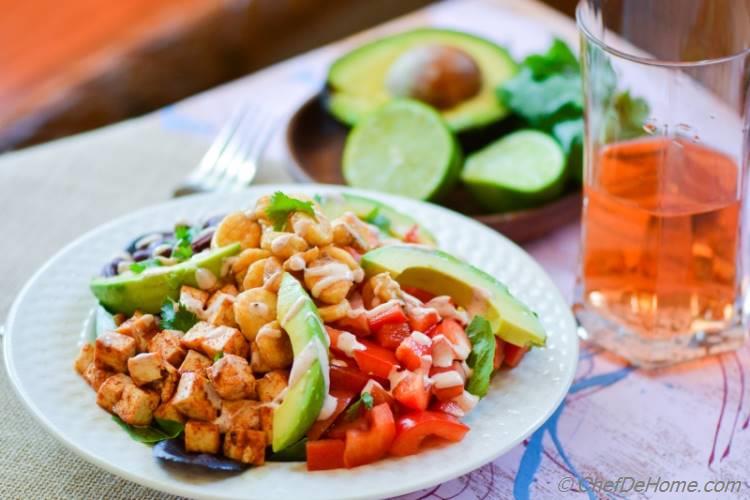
(365, 402)
(282, 206)
(139, 267)
(175, 316)
(183, 248)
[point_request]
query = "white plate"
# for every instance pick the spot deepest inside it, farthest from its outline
(46, 321)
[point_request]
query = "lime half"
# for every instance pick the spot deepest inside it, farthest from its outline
(405, 148)
(521, 170)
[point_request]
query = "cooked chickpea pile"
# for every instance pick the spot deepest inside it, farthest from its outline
(223, 376)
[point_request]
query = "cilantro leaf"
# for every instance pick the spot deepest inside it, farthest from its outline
(282, 206)
(558, 59)
(378, 220)
(183, 248)
(174, 316)
(481, 357)
(139, 267)
(163, 430)
(218, 356)
(365, 401)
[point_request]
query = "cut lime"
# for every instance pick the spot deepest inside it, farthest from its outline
(405, 148)
(521, 170)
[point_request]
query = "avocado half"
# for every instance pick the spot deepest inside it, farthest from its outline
(357, 81)
(479, 293)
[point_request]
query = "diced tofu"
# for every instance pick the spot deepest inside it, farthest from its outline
(145, 368)
(194, 362)
(136, 406)
(168, 411)
(221, 310)
(96, 376)
(272, 384)
(202, 437)
(192, 397)
(85, 358)
(167, 343)
(110, 392)
(193, 338)
(193, 299)
(227, 340)
(168, 383)
(239, 414)
(266, 422)
(246, 446)
(142, 328)
(232, 378)
(113, 350)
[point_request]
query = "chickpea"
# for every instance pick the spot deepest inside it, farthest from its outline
(314, 232)
(329, 280)
(254, 308)
(334, 312)
(245, 259)
(237, 227)
(274, 346)
(261, 272)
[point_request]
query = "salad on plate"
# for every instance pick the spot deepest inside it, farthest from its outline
(328, 330)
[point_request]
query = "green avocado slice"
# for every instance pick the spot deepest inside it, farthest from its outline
(398, 223)
(298, 316)
(440, 273)
(357, 80)
(147, 291)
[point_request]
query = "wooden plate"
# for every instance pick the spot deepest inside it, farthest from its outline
(316, 141)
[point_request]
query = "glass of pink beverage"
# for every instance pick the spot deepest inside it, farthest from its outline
(662, 274)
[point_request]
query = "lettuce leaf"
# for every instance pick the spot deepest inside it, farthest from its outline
(482, 356)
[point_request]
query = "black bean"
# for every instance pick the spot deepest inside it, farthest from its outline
(140, 255)
(110, 269)
(203, 242)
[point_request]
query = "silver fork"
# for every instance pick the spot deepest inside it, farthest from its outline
(232, 160)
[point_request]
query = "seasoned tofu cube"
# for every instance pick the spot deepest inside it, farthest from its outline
(221, 311)
(232, 378)
(85, 358)
(136, 406)
(193, 399)
(226, 340)
(202, 437)
(246, 446)
(167, 385)
(272, 384)
(96, 376)
(145, 368)
(193, 338)
(194, 362)
(266, 422)
(168, 411)
(239, 414)
(113, 350)
(167, 344)
(110, 392)
(142, 328)
(193, 299)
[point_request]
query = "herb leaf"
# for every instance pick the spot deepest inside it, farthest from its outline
(558, 59)
(282, 206)
(378, 220)
(164, 429)
(218, 356)
(175, 316)
(365, 401)
(481, 356)
(183, 248)
(139, 267)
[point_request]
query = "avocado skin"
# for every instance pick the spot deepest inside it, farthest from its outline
(304, 400)
(442, 274)
(348, 103)
(147, 292)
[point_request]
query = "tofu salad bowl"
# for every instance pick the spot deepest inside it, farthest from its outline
(322, 332)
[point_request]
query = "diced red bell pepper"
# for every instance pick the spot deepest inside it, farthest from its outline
(339, 429)
(497, 361)
(380, 395)
(422, 295)
(448, 393)
(413, 428)
(410, 354)
(391, 335)
(449, 407)
(378, 317)
(325, 454)
(411, 392)
(364, 447)
(424, 320)
(333, 335)
(412, 235)
(456, 365)
(343, 398)
(347, 378)
(375, 360)
(454, 332)
(513, 354)
(358, 325)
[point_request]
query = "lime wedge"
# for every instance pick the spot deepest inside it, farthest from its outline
(405, 148)
(521, 170)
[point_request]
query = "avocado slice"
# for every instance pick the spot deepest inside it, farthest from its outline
(147, 291)
(440, 273)
(398, 224)
(357, 82)
(305, 396)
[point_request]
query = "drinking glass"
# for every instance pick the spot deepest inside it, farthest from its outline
(662, 272)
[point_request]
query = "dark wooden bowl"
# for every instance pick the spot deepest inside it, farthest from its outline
(316, 141)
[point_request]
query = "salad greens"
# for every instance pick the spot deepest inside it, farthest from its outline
(175, 316)
(282, 206)
(183, 248)
(139, 267)
(482, 356)
(161, 431)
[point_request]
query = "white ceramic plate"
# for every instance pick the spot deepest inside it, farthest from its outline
(46, 321)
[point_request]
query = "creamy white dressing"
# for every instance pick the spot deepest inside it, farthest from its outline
(384, 306)
(358, 275)
(339, 362)
(461, 351)
(447, 379)
(205, 278)
(442, 351)
(442, 304)
(324, 283)
(348, 343)
(329, 407)
(192, 304)
(258, 308)
(293, 309)
(335, 268)
(280, 242)
(302, 362)
(420, 338)
(355, 313)
(271, 281)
